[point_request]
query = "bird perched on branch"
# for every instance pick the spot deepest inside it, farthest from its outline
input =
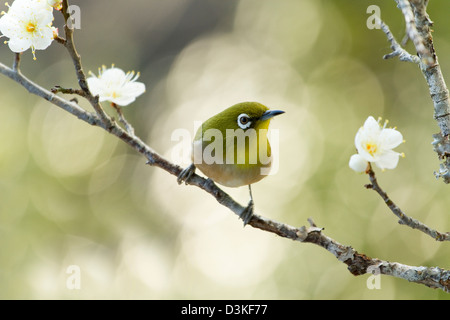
(232, 148)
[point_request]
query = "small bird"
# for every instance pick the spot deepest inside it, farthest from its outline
(232, 148)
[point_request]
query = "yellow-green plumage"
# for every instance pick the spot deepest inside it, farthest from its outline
(232, 148)
(242, 167)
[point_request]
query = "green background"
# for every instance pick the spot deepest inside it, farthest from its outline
(70, 194)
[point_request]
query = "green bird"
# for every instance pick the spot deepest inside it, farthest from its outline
(232, 148)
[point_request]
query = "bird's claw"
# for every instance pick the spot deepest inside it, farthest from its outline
(247, 214)
(186, 174)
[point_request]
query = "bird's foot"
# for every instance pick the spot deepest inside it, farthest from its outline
(247, 214)
(186, 174)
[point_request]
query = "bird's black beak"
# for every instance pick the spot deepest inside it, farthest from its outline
(269, 114)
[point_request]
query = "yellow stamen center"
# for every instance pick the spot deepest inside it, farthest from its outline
(31, 27)
(371, 148)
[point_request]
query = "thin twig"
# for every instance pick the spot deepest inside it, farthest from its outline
(405, 40)
(404, 219)
(122, 119)
(76, 59)
(70, 45)
(16, 63)
(60, 89)
(397, 50)
(60, 40)
(413, 34)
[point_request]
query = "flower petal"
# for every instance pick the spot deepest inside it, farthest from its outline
(43, 17)
(357, 163)
(388, 160)
(42, 42)
(390, 138)
(123, 101)
(19, 44)
(134, 88)
(94, 85)
(371, 126)
(369, 131)
(113, 74)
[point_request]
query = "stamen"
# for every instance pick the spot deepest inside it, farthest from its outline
(137, 76)
(30, 27)
(371, 148)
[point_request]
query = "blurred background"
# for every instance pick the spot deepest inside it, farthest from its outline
(72, 195)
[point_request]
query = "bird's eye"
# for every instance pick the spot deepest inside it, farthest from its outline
(244, 121)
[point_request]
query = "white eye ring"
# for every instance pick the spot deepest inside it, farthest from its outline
(243, 121)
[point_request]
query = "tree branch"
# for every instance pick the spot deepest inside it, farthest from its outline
(76, 59)
(404, 219)
(33, 88)
(397, 50)
(418, 30)
(423, 50)
(122, 119)
(79, 92)
(16, 62)
(357, 263)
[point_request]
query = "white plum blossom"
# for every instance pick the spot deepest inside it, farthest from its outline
(374, 144)
(28, 24)
(116, 86)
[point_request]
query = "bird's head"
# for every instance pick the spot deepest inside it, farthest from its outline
(244, 115)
